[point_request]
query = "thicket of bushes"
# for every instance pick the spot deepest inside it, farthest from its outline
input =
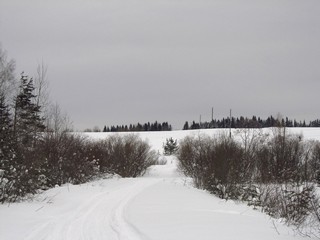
(60, 158)
(277, 172)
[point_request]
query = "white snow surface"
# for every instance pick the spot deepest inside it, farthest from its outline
(157, 139)
(160, 205)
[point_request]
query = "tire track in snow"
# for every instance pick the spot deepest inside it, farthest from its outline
(102, 216)
(119, 222)
(61, 227)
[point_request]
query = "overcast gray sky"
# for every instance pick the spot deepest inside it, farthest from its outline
(127, 61)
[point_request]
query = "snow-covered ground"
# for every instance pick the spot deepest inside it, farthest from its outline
(160, 205)
(157, 139)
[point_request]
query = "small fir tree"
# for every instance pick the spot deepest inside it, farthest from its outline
(170, 147)
(186, 126)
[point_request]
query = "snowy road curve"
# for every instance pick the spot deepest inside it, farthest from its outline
(101, 216)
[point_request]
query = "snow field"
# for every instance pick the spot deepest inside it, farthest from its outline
(161, 205)
(157, 139)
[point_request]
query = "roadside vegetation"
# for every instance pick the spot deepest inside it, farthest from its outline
(38, 149)
(277, 173)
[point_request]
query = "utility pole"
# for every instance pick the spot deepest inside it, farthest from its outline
(230, 123)
(200, 122)
(212, 115)
(211, 125)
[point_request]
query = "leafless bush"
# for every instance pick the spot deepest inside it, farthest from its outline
(251, 141)
(62, 157)
(290, 202)
(193, 155)
(312, 162)
(67, 157)
(311, 227)
(73, 158)
(283, 165)
(282, 159)
(161, 161)
(127, 156)
(215, 164)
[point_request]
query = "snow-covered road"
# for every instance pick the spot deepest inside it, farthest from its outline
(161, 205)
(100, 215)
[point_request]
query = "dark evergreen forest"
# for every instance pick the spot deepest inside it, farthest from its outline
(254, 122)
(165, 126)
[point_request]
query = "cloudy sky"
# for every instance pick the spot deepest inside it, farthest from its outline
(127, 61)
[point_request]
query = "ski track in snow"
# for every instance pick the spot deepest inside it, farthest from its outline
(103, 216)
(119, 223)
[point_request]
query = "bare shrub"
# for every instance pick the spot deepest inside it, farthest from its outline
(215, 164)
(194, 160)
(281, 159)
(128, 156)
(290, 202)
(73, 158)
(252, 141)
(66, 158)
(161, 161)
(273, 172)
(62, 157)
(312, 162)
(311, 227)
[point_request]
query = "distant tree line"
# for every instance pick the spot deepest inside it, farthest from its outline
(165, 126)
(254, 122)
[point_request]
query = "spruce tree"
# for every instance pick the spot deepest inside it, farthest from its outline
(8, 163)
(28, 127)
(170, 147)
(27, 121)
